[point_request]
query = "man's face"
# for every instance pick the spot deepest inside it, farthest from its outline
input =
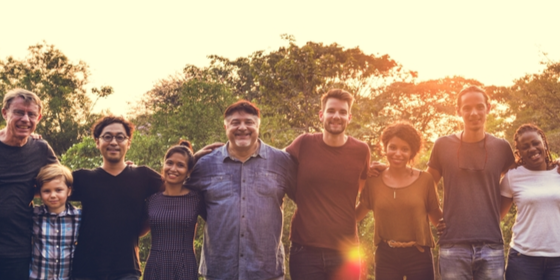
(242, 130)
(21, 119)
(473, 110)
(335, 116)
(113, 151)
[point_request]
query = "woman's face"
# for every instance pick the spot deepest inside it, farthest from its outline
(175, 169)
(530, 147)
(398, 152)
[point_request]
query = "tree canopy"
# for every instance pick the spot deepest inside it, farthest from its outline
(61, 86)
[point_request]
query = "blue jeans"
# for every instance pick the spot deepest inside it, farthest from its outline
(395, 263)
(312, 263)
(477, 261)
(14, 268)
(526, 267)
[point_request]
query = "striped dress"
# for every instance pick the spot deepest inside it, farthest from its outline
(173, 224)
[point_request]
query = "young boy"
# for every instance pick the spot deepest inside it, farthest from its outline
(55, 225)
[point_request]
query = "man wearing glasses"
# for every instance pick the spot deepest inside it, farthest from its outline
(112, 199)
(21, 157)
(471, 163)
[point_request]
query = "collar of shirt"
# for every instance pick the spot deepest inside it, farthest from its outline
(262, 151)
(69, 211)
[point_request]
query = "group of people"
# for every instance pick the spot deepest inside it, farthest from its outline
(239, 189)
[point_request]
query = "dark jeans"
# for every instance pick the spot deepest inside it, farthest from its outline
(312, 263)
(14, 268)
(395, 263)
(125, 276)
(526, 267)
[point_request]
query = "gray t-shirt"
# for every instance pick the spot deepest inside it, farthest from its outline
(18, 168)
(471, 183)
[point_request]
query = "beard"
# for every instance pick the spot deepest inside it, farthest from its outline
(338, 131)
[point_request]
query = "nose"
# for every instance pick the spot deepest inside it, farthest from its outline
(25, 117)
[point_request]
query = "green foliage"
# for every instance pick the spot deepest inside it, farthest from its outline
(60, 84)
(82, 155)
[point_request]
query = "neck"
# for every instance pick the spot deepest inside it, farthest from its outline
(175, 189)
(13, 141)
(398, 171)
(472, 135)
(243, 154)
(57, 210)
(113, 168)
(334, 140)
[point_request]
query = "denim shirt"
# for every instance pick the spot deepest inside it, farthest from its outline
(244, 203)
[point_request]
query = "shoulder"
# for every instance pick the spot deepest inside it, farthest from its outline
(357, 143)
(143, 169)
(426, 177)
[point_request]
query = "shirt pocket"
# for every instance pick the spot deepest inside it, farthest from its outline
(220, 187)
(267, 183)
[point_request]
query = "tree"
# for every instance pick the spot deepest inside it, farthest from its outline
(535, 98)
(61, 85)
(290, 80)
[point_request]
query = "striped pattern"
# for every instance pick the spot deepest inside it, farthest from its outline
(173, 222)
(54, 238)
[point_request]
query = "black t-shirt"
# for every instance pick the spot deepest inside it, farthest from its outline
(112, 216)
(18, 168)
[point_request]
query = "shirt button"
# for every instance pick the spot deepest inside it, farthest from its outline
(242, 235)
(242, 255)
(243, 198)
(57, 230)
(243, 180)
(57, 246)
(243, 216)
(56, 260)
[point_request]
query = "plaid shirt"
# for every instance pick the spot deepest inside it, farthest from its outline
(54, 238)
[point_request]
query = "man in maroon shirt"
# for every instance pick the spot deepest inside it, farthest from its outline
(332, 168)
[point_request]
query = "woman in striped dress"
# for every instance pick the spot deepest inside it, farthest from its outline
(172, 217)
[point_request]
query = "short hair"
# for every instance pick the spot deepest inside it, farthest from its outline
(407, 133)
(51, 172)
(339, 94)
(242, 105)
(472, 89)
(26, 95)
(184, 147)
(526, 128)
(100, 124)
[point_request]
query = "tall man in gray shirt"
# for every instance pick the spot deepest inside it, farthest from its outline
(243, 184)
(21, 157)
(471, 163)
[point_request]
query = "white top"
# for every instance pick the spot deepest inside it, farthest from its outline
(536, 194)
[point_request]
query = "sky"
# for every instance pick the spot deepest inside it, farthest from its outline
(131, 45)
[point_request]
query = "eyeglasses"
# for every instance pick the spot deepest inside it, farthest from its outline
(108, 138)
(20, 114)
(471, 159)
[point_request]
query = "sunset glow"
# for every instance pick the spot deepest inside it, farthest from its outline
(130, 46)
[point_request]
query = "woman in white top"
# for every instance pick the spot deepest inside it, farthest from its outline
(534, 187)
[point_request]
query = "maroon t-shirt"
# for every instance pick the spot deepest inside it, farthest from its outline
(327, 187)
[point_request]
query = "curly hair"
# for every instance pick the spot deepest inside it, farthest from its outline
(528, 127)
(100, 124)
(407, 133)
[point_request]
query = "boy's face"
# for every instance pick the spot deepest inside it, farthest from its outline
(54, 194)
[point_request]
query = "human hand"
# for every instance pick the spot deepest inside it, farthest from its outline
(441, 226)
(375, 168)
(206, 150)
(129, 162)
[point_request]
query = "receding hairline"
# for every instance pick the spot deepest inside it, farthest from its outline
(26, 95)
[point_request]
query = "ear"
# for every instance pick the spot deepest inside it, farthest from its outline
(349, 117)
(5, 114)
(458, 111)
(321, 115)
(39, 117)
(69, 191)
(489, 107)
(97, 143)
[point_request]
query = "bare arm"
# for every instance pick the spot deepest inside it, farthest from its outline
(505, 206)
